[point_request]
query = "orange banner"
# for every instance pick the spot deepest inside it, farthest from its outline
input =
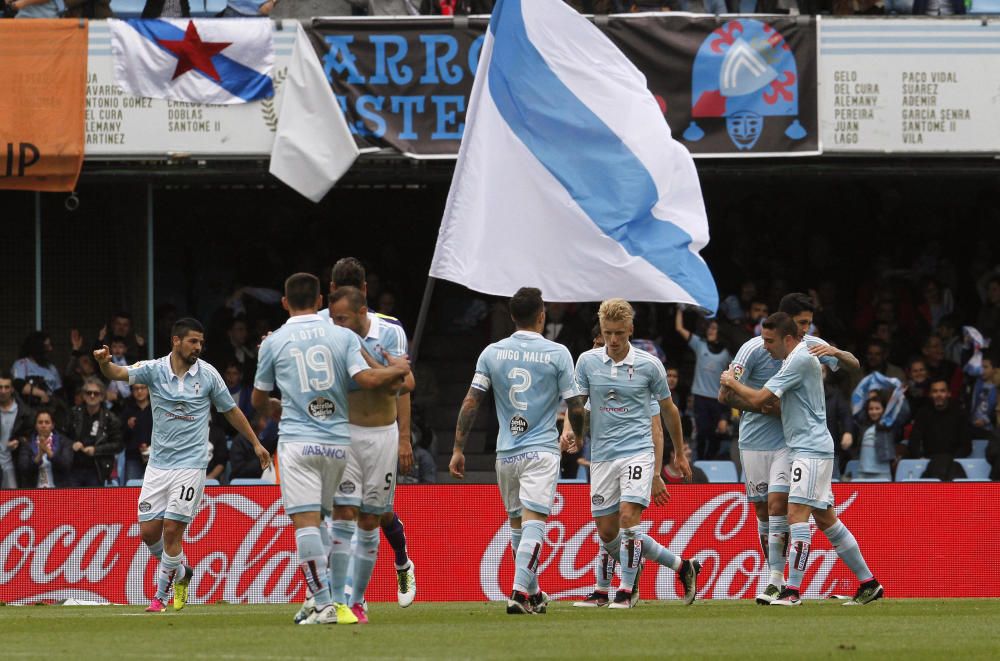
(43, 84)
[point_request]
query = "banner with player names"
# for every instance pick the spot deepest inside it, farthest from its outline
(739, 87)
(58, 544)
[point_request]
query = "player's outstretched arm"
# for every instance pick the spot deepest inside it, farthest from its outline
(757, 399)
(109, 369)
(235, 417)
(672, 418)
(466, 418)
(846, 359)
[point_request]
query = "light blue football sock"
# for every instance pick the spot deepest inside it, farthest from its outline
(313, 564)
(529, 554)
(848, 550)
(340, 557)
(656, 552)
(777, 544)
(606, 561)
(798, 558)
(365, 554)
(630, 554)
(169, 565)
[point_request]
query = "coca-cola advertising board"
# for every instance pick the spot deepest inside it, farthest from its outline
(85, 543)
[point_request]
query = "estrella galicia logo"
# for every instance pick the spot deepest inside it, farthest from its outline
(321, 408)
(762, 488)
(744, 72)
(347, 487)
(518, 425)
(145, 506)
(598, 499)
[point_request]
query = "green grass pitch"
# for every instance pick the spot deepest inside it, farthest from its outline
(893, 629)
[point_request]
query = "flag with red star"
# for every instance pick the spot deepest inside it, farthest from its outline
(213, 61)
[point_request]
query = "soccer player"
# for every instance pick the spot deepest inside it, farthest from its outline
(626, 459)
(182, 389)
(312, 363)
(349, 272)
(798, 387)
(762, 441)
(366, 491)
(529, 376)
(604, 569)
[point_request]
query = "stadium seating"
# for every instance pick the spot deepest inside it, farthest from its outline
(134, 483)
(248, 482)
(971, 479)
(211, 482)
(719, 471)
(975, 468)
(910, 470)
(853, 468)
(979, 448)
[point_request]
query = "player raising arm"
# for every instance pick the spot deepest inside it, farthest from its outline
(312, 363)
(182, 390)
(529, 376)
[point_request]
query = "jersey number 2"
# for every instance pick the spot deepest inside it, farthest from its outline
(524, 377)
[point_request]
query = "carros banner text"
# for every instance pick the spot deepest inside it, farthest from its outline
(85, 543)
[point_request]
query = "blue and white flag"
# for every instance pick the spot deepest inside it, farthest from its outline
(878, 381)
(214, 61)
(567, 177)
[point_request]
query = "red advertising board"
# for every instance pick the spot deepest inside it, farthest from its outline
(85, 543)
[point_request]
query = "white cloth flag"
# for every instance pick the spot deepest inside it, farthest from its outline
(217, 61)
(568, 178)
(313, 146)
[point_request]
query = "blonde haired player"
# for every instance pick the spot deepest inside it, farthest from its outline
(621, 382)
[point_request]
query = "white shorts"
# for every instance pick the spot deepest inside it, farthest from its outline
(171, 493)
(811, 482)
(369, 482)
(528, 480)
(629, 479)
(310, 473)
(765, 471)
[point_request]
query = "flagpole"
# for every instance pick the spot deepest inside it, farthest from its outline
(418, 332)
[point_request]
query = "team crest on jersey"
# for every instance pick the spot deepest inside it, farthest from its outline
(347, 487)
(197, 387)
(145, 506)
(321, 408)
(518, 425)
(598, 499)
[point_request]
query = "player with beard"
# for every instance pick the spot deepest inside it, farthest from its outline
(182, 389)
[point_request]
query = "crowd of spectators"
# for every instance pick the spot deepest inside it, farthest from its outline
(308, 8)
(69, 427)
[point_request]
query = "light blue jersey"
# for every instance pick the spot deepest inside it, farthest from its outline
(312, 362)
(621, 395)
(708, 367)
(753, 366)
(181, 409)
(383, 335)
(529, 376)
(799, 384)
